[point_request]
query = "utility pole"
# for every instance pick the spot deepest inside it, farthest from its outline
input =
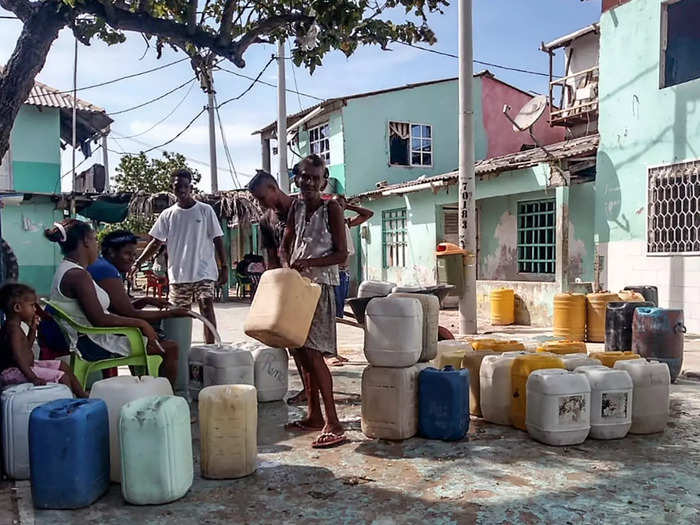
(282, 118)
(211, 108)
(74, 141)
(467, 183)
(105, 159)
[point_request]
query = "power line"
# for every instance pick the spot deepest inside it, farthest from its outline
(294, 75)
(270, 84)
(229, 159)
(133, 75)
(156, 99)
(166, 117)
(255, 81)
(480, 62)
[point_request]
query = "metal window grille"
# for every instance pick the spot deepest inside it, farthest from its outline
(673, 209)
(319, 141)
(536, 236)
(394, 238)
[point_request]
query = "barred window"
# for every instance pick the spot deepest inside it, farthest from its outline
(673, 209)
(319, 141)
(394, 238)
(536, 236)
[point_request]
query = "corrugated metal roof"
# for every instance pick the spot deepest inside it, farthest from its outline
(522, 159)
(43, 95)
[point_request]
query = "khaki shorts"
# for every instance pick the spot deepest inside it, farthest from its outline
(182, 295)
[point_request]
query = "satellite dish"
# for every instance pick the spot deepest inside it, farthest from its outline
(529, 114)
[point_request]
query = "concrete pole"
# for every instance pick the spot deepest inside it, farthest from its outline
(467, 183)
(212, 133)
(74, 141)
(265, 145)
(105, 161)
(561, 275)
(282, 118)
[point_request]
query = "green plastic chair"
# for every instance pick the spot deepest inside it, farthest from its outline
(138, 357)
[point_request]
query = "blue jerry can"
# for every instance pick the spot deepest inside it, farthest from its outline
(69, 453)
(443, 403)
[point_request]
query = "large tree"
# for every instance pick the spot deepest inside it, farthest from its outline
(140, 173)
(221, 28)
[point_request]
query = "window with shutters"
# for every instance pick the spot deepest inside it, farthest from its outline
(320, 143)
(451, 224)
(394, 238)
(673, 209)
(410, 144)
(536, 236)
(680, 41)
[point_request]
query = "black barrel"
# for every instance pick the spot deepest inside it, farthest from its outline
(650, 293)
(657, 333)
(618, 324)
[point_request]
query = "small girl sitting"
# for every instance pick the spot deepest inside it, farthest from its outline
(17, 363)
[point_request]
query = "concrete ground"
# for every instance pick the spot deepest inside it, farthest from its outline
(496, 475)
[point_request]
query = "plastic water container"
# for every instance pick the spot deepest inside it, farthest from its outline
(563, 347)
(156, 445)
(650, 406)
(117, 392)
(494, 387)
(375, 288)
(502, 306)
(179, 329)
(522, 367)
(69, 453)
(228, 422)
(610, 358)
(198, 355)
(558, 407)
(18, 401)
(226, 365)
(271, 367)
(271, 320)
(430, 305)
(472, 362)
(573, 361)
(393, 331)
(390, 401)
(443, 403)
(498, 345)
(611, 401)
(451, 353)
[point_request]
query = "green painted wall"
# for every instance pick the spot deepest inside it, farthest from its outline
(497, 200)
(35, 143)
(23, 228)
(366, 128)
(640, 124)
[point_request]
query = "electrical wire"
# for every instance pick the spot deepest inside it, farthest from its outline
(294, 75)
(227, 152)
(255, 81)
(480, 62)
(133, 75)
(236, 73)
(151, 101)
(166, 117)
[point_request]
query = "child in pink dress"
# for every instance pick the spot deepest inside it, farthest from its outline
(17, 363)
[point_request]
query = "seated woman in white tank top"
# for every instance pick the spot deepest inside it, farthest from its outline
(77, 293)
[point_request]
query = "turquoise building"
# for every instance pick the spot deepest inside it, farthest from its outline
(396, 151)
(647, 199)
(30, 177)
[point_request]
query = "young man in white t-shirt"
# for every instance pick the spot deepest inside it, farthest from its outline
(194, 240)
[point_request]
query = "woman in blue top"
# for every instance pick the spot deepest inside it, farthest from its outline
(118, 255)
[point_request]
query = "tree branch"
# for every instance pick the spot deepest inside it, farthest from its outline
(192, 15)
(23, 9)
(225, 36)
(178, 33)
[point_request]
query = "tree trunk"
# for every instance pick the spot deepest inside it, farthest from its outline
(39, 32)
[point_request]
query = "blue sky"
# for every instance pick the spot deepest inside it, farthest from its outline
(506, 32)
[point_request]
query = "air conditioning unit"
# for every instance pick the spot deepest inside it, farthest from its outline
(92, 180)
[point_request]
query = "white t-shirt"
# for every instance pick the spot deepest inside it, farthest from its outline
(189, 234)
